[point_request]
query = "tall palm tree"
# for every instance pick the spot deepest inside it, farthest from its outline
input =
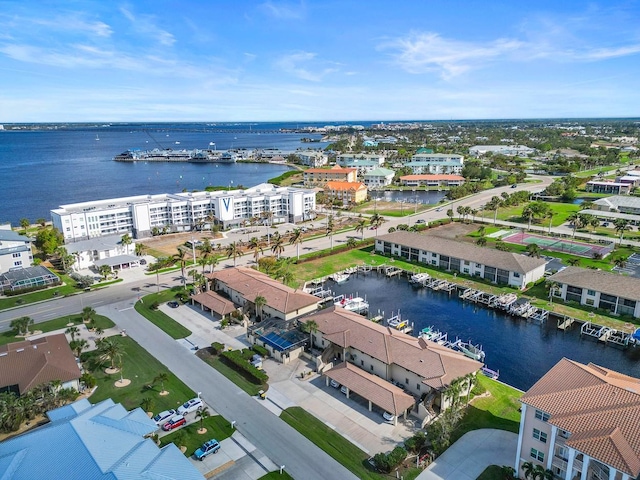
(161, 378)
(278, 245)
(73, 331)
(21, 325)
(361, 227)
(140, 250)
(620, 262)
(296, 239)
(533, 250)
(233, 250)
(376, 221)
(574, 219)
(126, 240)
(621, 225)
(528, 468)
(594, 223)
(88, 313)
(110, 350)
(528, 213)
(78, 346)
(259, 302)
(202, 413)
(311, 327)
(205, 249)
(330, 228)
(181, 259)
(550, 214)
(255, 245)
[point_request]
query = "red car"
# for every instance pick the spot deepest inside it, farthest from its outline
(175, 422)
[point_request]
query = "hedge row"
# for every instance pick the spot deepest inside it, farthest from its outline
(235, 359)
(217, 347)
(386, 462)
(260, 350)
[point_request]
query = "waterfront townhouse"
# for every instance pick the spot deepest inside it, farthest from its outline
(101, 442)
(438, 163)
(15, 249)
(432, 181)
(181, 212)
(616, 188)
(392, 370)
(363, 162)
(613, 292)
(493, 265)
(107, 250)
(346, 193)
(318, 177)
(581, 422)
(312, 158)
(242, 285)
(378, 177)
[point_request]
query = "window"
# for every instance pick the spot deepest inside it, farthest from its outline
(372, 367)
(406, 380)
(17, 264)
(516, 275)
(538, 435)
(591, 292)
(417, 386)
(16, 255)
(538, 455)
(362, 363)
(540, 415)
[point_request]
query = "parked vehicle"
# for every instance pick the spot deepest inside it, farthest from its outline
(207, 448)
(175, 422)
(389, 417)
(190, 406)
(173, 304)
(420, 221)
(343, 389)
(334, 384)
(143, 261)
(162, 417)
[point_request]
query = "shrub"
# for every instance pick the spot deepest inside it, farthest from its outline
(154, 306)
(415, 443)
(386, 462)
(260, 350)
(234, 359)
(217, 347)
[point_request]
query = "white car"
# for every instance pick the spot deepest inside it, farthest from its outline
(163, 417)
(389, 417)
(190, 406)
(334, 384)
(343, 389)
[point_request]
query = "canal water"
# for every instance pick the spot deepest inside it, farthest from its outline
(522, 351)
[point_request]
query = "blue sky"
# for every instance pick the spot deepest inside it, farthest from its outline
(187, 60)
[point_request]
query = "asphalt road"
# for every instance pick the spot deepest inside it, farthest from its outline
(281, 443)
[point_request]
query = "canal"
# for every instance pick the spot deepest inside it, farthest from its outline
(522, 351)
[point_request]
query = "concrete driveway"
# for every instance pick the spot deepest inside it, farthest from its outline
(470, 455)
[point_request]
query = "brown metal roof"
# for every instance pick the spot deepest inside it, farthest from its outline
(435, 364)
(605, 282)
(598, 406)
(379, 391)
(214, 302)
(250, 284)
(513, 262)
(30, 363)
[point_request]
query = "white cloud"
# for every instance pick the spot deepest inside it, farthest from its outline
(283, 11)
(291, 64)
(146, 25)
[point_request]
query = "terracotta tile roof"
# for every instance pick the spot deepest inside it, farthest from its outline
(600, 408)
(513, 262)
(214, 302)
(382, 393)
(250, 284)
(335, 169)
(30, 363)
(432, 177)
(333, 185)
(605, 282)
(435, 364)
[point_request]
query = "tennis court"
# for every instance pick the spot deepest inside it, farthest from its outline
(572, 247)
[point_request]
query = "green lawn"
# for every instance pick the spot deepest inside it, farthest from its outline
(499, 410)
(57, 324)
(40, 295)
(236, 377)
(562, 211)
(141, 368)
(334, 444)
(492, 472)
(217, 427)
(160, 319)
(276, 476)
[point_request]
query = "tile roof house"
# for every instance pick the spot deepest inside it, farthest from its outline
(348, 193)
(491, 264)
(432, 180)
(582, 421)
(420, 366)
(620, 294)
(320, 176)
(27, 364)
(243, 285)
(101, 441)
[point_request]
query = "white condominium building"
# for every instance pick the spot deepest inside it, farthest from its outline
(436, 163)
(181, 212)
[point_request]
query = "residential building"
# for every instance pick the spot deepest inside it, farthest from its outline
(437, 163)
(438, 181)
(363, 162)
(89, 253)
(373, 361)
(318, 177)
(618, 203)
(99, 442)
(581, 422)
(347, 193)
(632, 180)
(615, 188)
(312, 158)
(25, 365)
(242, 285)
(378, 177)
(29, 277)
(507, 150)
(599, 289)
(15, 249)
(141, 214)
(493, 265)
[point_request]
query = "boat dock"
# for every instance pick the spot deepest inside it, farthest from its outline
(396, 322)
(392, 271)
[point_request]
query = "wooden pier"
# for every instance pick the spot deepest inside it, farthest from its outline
(392, 271)
(566, 323)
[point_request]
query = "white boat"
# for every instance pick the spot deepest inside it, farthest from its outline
(353, 304)
(419, 277)
(470, 350)
(339, 277)
(493, 374)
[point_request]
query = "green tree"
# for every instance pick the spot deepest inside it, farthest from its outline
(621, 225)
(533, 250)
(296, 239)
(233, 250)
(277, 246)
(450, 214)
(21, 326)
(161, 378)
(147, 404)
(311, 327)
(110, 350)
(528, 469)
(104, 270)
(330, 228)
(126, 240)
(72, 331)
(25, 223)
(88, 313)
(78, 346)
(66, 259)
(48, 239)
(181, 259)
(361, 227)
(259, 302)
(481, 241)
(574, 262)
(255, 245)
(620, 262)
(140, 250)
(202, 414)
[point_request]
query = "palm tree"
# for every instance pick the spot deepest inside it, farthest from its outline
(73, 331)
(574, 219)
(105, 270)
(620, 262)
(87, 314)
(111, 350)
(528, 468)
(140, 250)
(78, 346)
(361, 227)
(259, 302)
(533, 250)
(161, 378)
(202, 413)
(21, 325)
(255, 245)
(594, 223)
(482, 241)
(450, 214)
(181, 259)
(206, 249)
(550, 214)
(233, 250)
(574, 262)
(330, 228)
(460, 211)
(621, 225)
(147, 404)
(126, 240)
(528, 213)
(278, 245)
(296, 239)
(312, 327)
